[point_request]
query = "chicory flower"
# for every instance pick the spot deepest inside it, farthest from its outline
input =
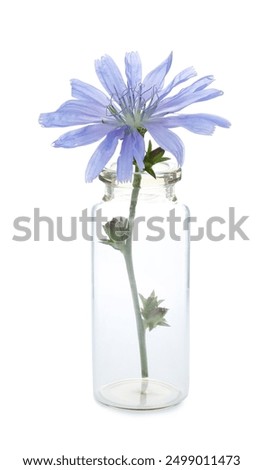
(129, 109)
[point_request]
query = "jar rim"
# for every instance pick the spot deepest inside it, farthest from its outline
(165, 174)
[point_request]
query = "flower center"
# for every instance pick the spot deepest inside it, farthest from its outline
(133, 106)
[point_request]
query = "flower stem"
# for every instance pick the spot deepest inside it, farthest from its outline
(130, 270)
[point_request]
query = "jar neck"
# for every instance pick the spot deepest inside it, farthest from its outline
(163, 186)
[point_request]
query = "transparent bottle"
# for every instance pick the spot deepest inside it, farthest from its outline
(141, 292)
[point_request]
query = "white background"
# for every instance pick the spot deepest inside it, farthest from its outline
(47, 404)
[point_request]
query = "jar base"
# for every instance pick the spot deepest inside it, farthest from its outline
(139, 394)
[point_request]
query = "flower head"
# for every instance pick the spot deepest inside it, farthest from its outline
(128, 110)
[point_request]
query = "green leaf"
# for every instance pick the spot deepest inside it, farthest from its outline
(118, 232)
(152, 157)
(152, 314)
(156, 153)
(150, 171)
(149, 146)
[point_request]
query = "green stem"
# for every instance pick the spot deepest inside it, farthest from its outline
(130, 270)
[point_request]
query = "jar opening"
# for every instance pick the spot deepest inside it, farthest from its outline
(166, 174)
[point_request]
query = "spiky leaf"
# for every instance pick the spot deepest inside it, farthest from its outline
(152, 157)
(118, 232)
(152, 314)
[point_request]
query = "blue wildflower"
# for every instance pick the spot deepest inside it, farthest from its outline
(128, 110)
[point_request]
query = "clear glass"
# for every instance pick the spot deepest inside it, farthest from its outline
(140, 344)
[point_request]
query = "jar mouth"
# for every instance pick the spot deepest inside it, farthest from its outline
(166, 173)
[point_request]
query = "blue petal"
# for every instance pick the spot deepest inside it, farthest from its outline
(138, 149)
(83, 136)
(103, 153)
(125, 160)
(84, 91)
(110, 76)
(198, 85)
(73, 113)
(181, 77)
(133, 69)
(209, 94)
(180, 101)
(167, 141)
(155, 78)
(199, 123)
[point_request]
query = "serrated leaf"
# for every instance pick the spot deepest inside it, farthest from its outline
(143, 299)
(118, 232)
(150, 171)
(152, 314)
(159, 159)
(149, 149)
(164, 323)
(152, 157)
(156, 153)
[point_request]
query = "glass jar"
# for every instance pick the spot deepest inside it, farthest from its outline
(140, 292)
